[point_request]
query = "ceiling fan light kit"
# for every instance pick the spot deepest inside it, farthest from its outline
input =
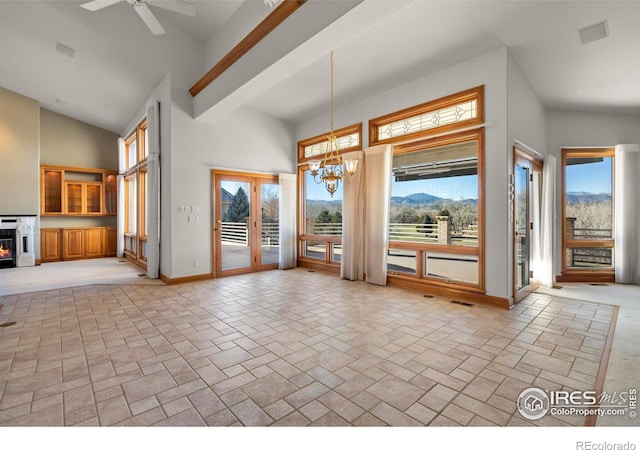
(142, 9)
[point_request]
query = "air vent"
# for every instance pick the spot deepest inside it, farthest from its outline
(461, 303)
(65, 49)
(594, 32)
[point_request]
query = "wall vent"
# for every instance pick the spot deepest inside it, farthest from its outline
(65, 49)
(594, 32)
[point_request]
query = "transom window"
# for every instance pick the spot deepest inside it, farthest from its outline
(347, 139)
(454, 111)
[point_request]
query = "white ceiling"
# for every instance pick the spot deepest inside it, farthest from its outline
(118, 61)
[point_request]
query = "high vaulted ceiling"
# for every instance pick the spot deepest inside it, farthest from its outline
(118, 61)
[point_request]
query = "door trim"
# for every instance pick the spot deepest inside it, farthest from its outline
(255, 180)
(525, 159)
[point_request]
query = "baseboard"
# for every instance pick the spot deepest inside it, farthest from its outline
(590, 277)
(332, 268)
(457, 294)
(189, 279)
(38, 262)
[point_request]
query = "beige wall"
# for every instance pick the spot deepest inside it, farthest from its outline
(68, 142)
(19, 174)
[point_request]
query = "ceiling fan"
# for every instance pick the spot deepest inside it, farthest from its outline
(140, 6)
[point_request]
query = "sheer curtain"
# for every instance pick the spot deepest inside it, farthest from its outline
(548, 222)
(627, 213)
(536, 263)
(153, 191)
(378, 162)
(287, 213)
(352, 264)
(120, 195)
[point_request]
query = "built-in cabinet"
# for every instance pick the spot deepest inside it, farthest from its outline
(63, 244)
(71, 191)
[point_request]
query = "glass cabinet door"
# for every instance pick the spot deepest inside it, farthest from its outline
(74, 198)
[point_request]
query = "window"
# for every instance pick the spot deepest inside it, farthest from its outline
(452, 112)
(588, 243)
(435, 226)
(135, 191)
(320, 217)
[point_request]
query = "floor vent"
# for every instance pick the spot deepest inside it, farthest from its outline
(7, 324)
(142, 275)
(457, 302)
(311, 271)
(428, 296)
(557, 287)
(121, 260)
(598, 284)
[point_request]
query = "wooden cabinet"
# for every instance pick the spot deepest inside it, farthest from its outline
(62, 244)
(83, 198)
(73, 243)
(78, 191)
(51, 181)
(111, 241)
(94, 243)
(50, 244)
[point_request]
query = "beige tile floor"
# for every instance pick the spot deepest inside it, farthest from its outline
(286, 348)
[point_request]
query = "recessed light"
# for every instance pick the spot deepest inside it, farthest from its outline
(594, 32)
(65, 49)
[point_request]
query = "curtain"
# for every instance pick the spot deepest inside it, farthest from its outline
(287, 213)
(536, 241)
(548, 222)
(378, 162)
(120, 197)
(627, 213)
(352, 264)
(153, 191)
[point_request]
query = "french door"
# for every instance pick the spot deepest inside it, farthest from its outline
(527, 183)
(246, 223)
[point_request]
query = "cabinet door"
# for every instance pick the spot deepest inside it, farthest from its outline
(94, 242)
(73, 243)
(50, 245)
(110, 194)
(74, 195)
(93, 198)
(51, 191)
(111, 241)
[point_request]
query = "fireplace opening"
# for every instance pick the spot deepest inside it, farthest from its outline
(7, 248)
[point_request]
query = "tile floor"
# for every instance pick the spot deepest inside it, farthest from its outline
(268, 349)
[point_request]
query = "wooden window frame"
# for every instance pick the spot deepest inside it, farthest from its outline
(422, 248)
(476, 93)
(303, 166)
(139, 172)
(582, 274)
(351, 129)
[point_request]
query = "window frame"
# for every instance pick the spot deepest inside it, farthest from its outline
(476, 93)
(422, 249)
(138, 172)
(303, 166)
(580, 273)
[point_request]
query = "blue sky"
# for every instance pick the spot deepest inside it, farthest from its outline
(594, 178)
(454, 188)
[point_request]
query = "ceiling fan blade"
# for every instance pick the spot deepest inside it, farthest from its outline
(149, 19)
(176, 6)
(98, 4)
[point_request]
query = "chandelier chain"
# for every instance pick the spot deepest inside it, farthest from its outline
(331, 92)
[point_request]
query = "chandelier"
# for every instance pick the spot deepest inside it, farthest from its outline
(330, 170)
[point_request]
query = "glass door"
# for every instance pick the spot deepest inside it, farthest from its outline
(526, 221)
(246, 223)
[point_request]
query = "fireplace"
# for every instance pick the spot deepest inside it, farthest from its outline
(7, 248)
(17, 241)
